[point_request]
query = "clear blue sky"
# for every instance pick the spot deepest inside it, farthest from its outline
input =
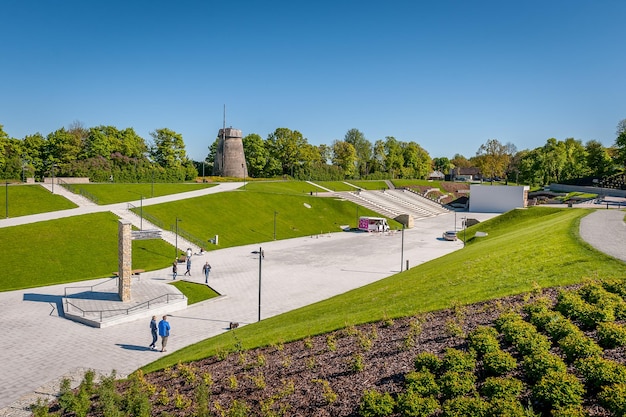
(448, 75)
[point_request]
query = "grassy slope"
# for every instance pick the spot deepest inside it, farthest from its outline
(524, 248)
(244, 217)
(31, 199)
(70, 250)
(117, 193)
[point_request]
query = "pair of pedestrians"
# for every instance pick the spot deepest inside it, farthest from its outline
(163, 329)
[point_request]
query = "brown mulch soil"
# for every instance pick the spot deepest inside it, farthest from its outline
(301, 377)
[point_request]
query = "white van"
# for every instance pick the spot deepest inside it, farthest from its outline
(373, 224)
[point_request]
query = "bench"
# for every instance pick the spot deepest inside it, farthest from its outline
(133, 272)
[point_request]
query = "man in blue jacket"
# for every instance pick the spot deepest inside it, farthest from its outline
(164, 332)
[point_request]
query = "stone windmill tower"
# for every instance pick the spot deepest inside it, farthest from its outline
(230, 159)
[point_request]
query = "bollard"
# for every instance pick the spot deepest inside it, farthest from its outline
(407, 264)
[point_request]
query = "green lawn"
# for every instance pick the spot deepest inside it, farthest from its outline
(118, 193)
(336, 185)
(408, 182)
(283, 187)
(370, 185)
(244, 217)
(524, 248)
(30, 199)
(194, 292)
(69, 250)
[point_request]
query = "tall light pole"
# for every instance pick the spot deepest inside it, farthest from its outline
(53, 165)
(464, 227)
(243, 168)
(176, 240)
(140, 209)
(402, 249)
(260, 262)
(6, 197)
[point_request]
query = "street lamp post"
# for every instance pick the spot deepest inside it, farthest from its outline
(6, 197)
(53, 165)
(140, 209)
(260, 262)
(402, 249)
(464, 227)
(243, 168)
(176, 240)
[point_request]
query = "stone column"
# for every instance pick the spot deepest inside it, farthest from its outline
(125, 258)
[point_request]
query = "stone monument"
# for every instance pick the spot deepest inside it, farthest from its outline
(125, 259)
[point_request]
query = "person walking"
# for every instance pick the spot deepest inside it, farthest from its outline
(153, 330)
(188, 271)
(175, 268)
(189, 253)
(206, 269)
(164, 332)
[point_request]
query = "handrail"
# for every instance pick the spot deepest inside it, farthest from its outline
(126, 311)
(201, 243)
(81, 191)
(150, 218)
(91, 287)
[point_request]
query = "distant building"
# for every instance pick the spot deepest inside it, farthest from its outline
(465, 174)
(230, 159)
(436, 175)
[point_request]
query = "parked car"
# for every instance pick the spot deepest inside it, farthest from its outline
(449, 235)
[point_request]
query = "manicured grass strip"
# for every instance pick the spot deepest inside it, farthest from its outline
(195, 292)
(30, 199)
(244, 217)
(336, 185)
(69, 250)
(370, 185)
(117, 193)
(283, 187)
(407, 183)
(524, 247)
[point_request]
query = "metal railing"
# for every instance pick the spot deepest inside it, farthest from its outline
(148, 217)
(91, 287)
(81, 191)
(102, 314)
(201, 243)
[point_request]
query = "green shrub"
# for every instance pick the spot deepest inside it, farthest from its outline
(504, 388)
(483, 339)
(505, 407)
(375, 404)
(422, 383)
(521, 334)
(577, 345)
(537, 365)
(411, 404)
(560, 326)
(572, 305)
(598, 372)
(427, 361)
(615, 286)
(613, 398)
(570, 411)
(465, 407)
(597, 295)
(611, 335)
(453, 384)
(459, 361)
(557, 389)
(498, 362)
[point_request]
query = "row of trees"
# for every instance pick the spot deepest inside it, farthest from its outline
(287, 152)
(101, 153)
(104, 151)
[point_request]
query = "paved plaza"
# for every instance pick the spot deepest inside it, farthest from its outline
(39, 347)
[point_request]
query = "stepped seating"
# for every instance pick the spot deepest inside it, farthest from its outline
(392, 203)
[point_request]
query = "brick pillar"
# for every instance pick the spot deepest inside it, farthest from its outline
(125, 258)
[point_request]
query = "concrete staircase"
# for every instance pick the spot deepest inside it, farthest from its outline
(77, 199)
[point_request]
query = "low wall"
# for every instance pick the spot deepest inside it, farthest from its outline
(591, 190)
(67, 180)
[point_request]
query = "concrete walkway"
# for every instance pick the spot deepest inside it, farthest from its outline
(39, 347)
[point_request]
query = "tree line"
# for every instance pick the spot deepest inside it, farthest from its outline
(103, 153)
